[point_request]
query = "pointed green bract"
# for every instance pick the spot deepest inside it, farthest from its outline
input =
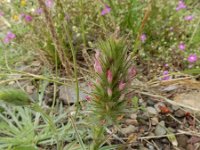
(15, 97)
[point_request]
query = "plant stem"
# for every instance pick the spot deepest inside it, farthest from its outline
(77, 134)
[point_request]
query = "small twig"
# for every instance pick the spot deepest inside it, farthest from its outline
(169, 101)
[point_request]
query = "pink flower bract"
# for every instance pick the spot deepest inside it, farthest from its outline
(97, 67)
(121, 85)
(192, 58)
(109, 76)
(109, 92)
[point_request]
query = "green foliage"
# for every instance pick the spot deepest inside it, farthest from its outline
(27, 129)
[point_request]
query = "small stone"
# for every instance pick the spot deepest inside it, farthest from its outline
(152, 111)
(165, 141)
(35, 63)
(150, 103)
(182, 140)
(131, 122)
(190, 147)
(171, 130)
(133, 116)
(174, 107)
(150, 147)
(67, 94)
(160, 129)
(179, 113)
(157, 106)
(129, 129)
(154, 121)
(29, 89)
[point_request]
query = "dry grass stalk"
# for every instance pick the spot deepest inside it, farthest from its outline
(64, 60)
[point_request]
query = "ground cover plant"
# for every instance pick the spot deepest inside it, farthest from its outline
(99, 74)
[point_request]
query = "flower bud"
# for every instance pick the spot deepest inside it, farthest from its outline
(109, 92)
(97, 67)
(121, 85)
(109, 76)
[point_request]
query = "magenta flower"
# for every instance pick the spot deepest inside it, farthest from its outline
(49, 3)
(28, 18)
(9, 37)
(143, 37)
(131, 72)
(109, 92)
(97, 67)
(165, 75)
(192, 58)
(39, 11)
(181, 5)
(109, 76)
(121, 85)
(106, 10)
(181, 46)
(188, 18)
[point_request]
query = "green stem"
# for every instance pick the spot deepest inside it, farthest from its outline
(82, 23)
(77, 134)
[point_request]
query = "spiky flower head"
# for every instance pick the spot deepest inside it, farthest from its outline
(114, 72)
(15, 97)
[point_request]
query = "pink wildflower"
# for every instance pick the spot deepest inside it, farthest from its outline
(39, 11)
(192, 58)
(106, 10)
(165, 75)
(188, 18)
(28, 18)
(143, 37)
(181, 5)
(97, 66)
(181, 46)
(49, 3)
(121, 85)
(109, 92)
(166, 65)
(9, 37)
(109, 76)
